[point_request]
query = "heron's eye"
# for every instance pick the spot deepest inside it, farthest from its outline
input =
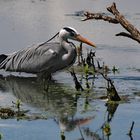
(72, 33)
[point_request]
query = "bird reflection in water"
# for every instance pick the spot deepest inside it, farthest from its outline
(30, 90)
(58, 102)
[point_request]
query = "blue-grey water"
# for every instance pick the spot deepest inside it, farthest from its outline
(27, 22)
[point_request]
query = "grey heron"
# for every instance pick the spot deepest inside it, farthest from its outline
(46, 58)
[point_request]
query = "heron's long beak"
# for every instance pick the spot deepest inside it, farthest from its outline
(84, 40)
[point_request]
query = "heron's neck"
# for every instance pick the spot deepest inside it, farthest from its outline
(65, 44)
(70, 49)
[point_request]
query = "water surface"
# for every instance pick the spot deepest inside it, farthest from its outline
(27, 22)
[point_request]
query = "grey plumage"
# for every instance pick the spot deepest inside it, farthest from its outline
(38, 59)
(45, 58)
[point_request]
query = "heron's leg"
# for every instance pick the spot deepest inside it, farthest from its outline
(44, 78)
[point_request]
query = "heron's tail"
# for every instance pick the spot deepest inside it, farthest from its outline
(2, 58)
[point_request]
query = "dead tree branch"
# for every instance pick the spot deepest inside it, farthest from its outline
(99, 16)
(133, 32)
(126, 35)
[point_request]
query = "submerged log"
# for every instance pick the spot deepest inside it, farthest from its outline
(133, 32)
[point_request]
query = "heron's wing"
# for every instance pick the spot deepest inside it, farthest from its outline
(34, 59)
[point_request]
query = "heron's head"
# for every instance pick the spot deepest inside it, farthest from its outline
(70, 33)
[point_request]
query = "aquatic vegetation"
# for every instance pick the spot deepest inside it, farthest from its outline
(17, 104)
(131, 129)
(63, 136)
(88, 68)
(1, 136)
(107, 129)
(6, 113)
(114, 69)
(18, 113)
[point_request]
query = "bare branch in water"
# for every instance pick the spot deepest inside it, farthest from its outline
(112, 93)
